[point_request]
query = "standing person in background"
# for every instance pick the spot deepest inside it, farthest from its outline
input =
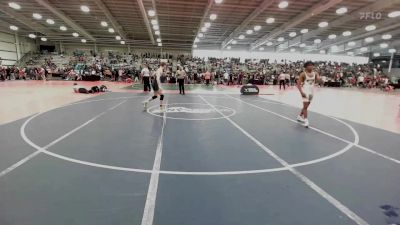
(146, 78)
(282, 78)
(287, 79)
(207, 77)
(230, 78)
(8, 73)
(22, 74)
(292, 79)
(181, 75)
(42, 73)
(226, 77)
(240, 78)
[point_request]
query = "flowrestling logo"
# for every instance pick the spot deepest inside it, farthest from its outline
(192, 111)
(181, 109)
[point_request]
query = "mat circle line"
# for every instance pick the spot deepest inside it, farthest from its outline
(212, 173)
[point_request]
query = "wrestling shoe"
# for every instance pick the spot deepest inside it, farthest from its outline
(300, 119)
(306, 124)
(145, 105)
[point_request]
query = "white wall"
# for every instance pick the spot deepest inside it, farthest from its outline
(279, 56)
(8, 48)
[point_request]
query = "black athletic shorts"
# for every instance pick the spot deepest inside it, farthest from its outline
(154, 85)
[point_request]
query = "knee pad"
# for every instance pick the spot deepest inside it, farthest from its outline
(154, 97)
(161, 97)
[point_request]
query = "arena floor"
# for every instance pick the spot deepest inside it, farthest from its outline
(211, 158)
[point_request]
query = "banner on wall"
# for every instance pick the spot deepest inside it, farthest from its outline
(279, 56)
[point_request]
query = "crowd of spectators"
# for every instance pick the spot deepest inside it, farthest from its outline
(227, 71)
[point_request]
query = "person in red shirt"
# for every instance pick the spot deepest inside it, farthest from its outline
(207, 77)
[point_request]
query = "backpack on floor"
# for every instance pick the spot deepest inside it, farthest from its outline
(95, 89)
(103, 88)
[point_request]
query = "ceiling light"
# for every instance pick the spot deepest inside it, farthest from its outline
(12, 27)
(386, 36)
(363, 49)
(317, 41)
(249, 31)
(350, 53)
(200, 35)
(159, 44)
(281, 39)
(257, 28)
(43, 39)
(334, 48)
(302, 45)
(14, 5)
(270, 20)
(241, 37)
(394, 14)
(37, 16)
(377, 54)
(347, 33)
(270, 44)
(83, 40)
(85, 8)
(218, 1)
(213, 16)
(292, 50)
(332, 36)
(341, 11)
(103, 23)
(207, 25)
(369, 39)
(392, 50)
(158, 39)
(157, 32)
(118, 38)
(196, 40)
(50, 21)
(351, 43)
(151, 13)
(154, 22)
(384, 45)
(122, 42)
(370, 27)
(75, 34)
(156, 27)
(304, 31)
(32, 36)
(111, 30)
(203, 29)
(234, 42)
(229, 47)
(323, 24)
(283, 4)
(292, 34)
(195, 46)
(322, 52)
(261, 49)
(63, 28)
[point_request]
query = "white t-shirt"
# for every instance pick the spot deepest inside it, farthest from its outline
(145, 72)
(226, 76)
